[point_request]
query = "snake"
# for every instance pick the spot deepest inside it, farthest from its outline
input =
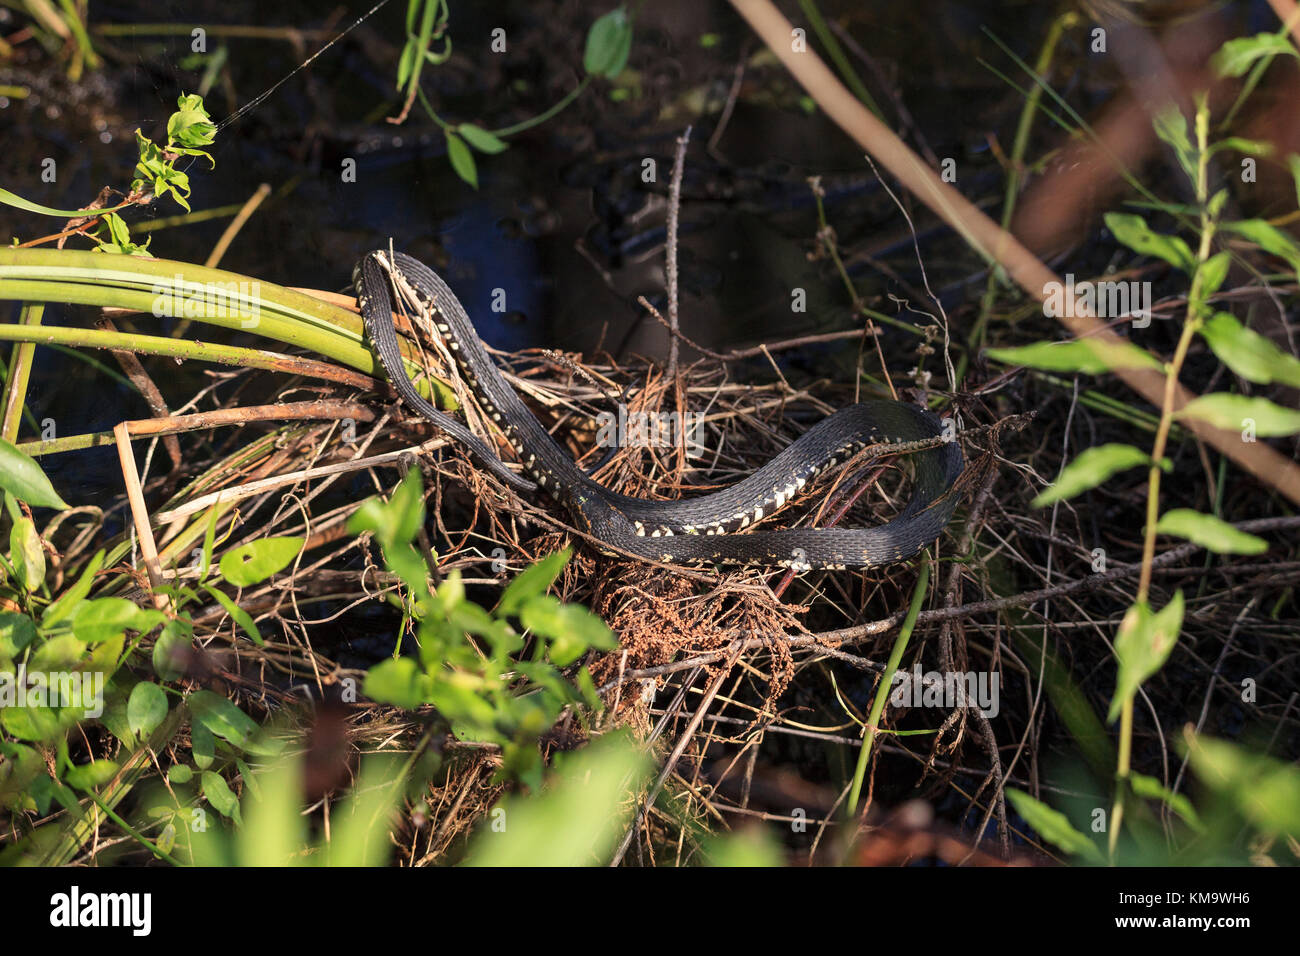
(705, 529)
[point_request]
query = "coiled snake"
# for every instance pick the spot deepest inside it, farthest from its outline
(699, 529)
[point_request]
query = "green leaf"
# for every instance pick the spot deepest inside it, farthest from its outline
(396, 521)
(1268, 237)
(1236, 56)
(222, 718)
(171, 651)
(462, 160)
(1264, 790)
(571, 628)
(16, 632)
(360, 828)
(1088, 356)
(1089, 469)
(18, 202)
(26, 554)
(1133, 231)
(109, 617)
(203, 746)
(23, 478)
(1251, 147)
(88, 776)
(217, 792)
(274, 830)
(179, 773)
(481, 139)
(577, 820)
(1212, 273)
(70, 599)
(1248, 353)
(533, 581)
(1143, 644)
(407, 61)
(1209, 532)
(1053, 826)
(1236, 412)
(40, 724)
(190, 125)
(61, 653)
(1293, 163)
(146, 708)
(1152, 789)
(241, 617)
(397, 681)
(258, 560)
(1171, 126)
(609, 42)
(748, 848)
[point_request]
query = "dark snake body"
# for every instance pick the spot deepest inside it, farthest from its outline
(699, 529)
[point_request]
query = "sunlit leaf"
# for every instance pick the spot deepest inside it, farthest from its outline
(1091, 468)
(1248, 353)
(88, 776)
(109, 617)
(534, 580)
(1237, 412)
(1143, 644)
(481, 139)
(1236, 56)
(1052, 825)
(1152, 789)
(222, 718)
(1133, 231)
(1209, 532)
(1268, 237)
(26, 554)
(70, 599)
(1088, 356)
(1171, 126)
(576, 820)
(397, 681)
(1264, 790)
(609, 42)
(462, 159)
(146, 708)
(256, 561)
(218, 793)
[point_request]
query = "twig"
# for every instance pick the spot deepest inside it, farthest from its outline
(670, 264)
(679, 749)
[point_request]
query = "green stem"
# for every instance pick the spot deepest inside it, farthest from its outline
(164, 287)
(836, 53)
(1190, 326)
(543, 117)
(887, 682)
(133, 833)
(18, 373)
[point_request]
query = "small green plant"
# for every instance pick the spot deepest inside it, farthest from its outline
(489, 680)
(188, 129)
(1146, 636)
(72, 662)
(608, 44)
